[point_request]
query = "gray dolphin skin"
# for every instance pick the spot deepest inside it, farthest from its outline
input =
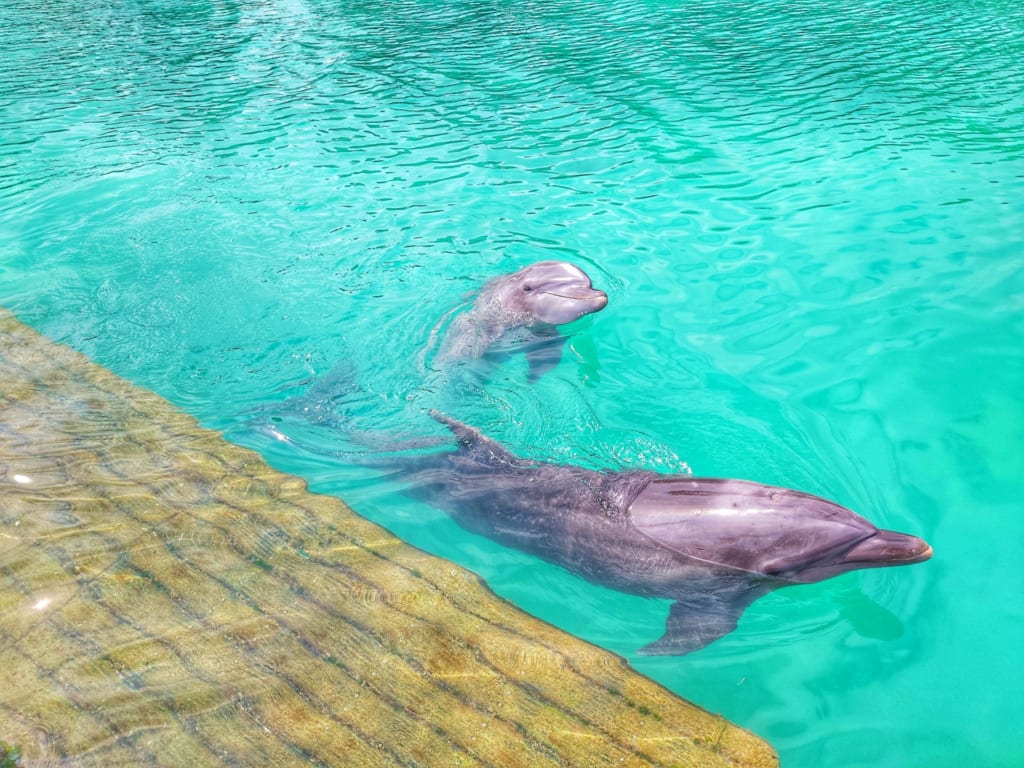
(711, 545)
(522, 310)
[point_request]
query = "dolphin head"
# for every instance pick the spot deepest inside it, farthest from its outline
(554, 292)
(776, 532)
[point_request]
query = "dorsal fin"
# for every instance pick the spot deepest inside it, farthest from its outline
(472, 442)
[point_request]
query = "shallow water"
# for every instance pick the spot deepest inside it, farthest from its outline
(807, 216)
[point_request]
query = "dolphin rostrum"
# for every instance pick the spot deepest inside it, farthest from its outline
(711, 545)
(522, 310)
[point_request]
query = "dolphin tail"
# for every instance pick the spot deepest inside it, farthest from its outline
(693, 624)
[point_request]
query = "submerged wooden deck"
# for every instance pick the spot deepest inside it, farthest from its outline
(167, 599)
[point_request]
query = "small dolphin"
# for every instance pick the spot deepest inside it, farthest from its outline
(523, 309)
(519, 311)
(711, 545)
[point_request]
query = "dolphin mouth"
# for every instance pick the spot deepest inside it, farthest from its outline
(888, 548)
(880, 550)
(599, 297)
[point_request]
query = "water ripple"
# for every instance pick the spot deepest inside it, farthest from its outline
(807, 216)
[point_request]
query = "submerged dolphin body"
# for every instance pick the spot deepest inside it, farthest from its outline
(711, 545)
(522, 310)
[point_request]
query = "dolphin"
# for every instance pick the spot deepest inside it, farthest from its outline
(711, 545)
(518, 311)
(522, 310)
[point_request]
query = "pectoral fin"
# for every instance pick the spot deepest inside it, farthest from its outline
(693, 624)
(544, 356)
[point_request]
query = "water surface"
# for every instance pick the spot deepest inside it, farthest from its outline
(807, 215)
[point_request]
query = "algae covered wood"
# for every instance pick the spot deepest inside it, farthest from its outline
(166, 598)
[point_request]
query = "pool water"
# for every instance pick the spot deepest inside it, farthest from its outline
(808, 217)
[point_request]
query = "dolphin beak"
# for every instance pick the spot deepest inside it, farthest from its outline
(585, 294)
(881, 549)
(600, 298)
(888, 548)
(564, 304)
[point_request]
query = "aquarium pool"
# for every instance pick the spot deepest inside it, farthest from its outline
(808, 218)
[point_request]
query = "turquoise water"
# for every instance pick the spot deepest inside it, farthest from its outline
(808, 216)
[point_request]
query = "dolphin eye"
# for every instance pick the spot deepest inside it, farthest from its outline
(527, 288)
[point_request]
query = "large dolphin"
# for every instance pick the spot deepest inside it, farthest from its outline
(522, 310)
(711, 545)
